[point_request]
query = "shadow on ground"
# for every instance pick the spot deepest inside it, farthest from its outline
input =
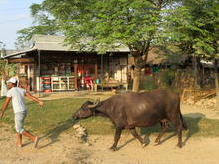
(197, 124)
(192, 120)
(54, 133)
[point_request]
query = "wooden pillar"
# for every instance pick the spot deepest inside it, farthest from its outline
(39, 63)
(127, 69)
(76, 75)
(96, 70)
(34, 77)
(102, 72)
(194, 71)
(39, 72)
(96, 74)
(28, 77)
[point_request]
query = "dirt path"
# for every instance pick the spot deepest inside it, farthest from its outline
(76, 94)
(197, 111)
(67, 149)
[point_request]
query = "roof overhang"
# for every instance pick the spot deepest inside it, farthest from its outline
(19, 54)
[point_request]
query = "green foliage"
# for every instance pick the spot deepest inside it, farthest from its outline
(166, 77)
(7, 70)
(43, 24)
(100, 24)
(193, 26)
(148, 83)
(103, 25)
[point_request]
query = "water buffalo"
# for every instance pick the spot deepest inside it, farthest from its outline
(131, 110)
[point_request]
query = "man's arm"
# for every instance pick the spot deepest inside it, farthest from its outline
(41, 103)
(4, 106)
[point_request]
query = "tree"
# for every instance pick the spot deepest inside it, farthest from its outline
(43, 24)
(6, 70)
(101, 25)
(196, 31)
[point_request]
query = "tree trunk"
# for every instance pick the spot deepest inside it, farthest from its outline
(136, 79)
(139, 62)
(196, 64)
(216, 83)
(199, 72)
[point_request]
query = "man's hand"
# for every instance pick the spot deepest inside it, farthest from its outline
(41, 103)
(4, 106)
(1, 115)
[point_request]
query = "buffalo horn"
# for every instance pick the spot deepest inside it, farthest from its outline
(95, 104)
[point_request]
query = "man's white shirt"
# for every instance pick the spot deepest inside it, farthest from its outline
(18, 99)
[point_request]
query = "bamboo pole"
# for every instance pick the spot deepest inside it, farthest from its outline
(216, 83)
(39, 69)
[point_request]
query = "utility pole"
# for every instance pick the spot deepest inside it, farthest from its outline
(3, 85)
(2, 47)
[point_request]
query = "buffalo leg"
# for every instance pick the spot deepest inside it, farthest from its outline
(135, 134)
(179, 127)
(116, 139)
(179, 130)
(163, 130)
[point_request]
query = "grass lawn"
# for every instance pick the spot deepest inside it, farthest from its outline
(56, 117)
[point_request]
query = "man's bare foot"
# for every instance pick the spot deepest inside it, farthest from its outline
(36, 141)
(19, 145)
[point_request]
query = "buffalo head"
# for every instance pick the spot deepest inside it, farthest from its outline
(86, 110)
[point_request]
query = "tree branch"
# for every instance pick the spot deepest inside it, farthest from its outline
(152, 2)
(159, 4)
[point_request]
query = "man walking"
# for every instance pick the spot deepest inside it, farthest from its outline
(17, 94)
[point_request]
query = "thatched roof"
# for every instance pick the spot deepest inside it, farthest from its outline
(155, 58)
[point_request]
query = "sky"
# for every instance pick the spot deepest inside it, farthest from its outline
(14, 15)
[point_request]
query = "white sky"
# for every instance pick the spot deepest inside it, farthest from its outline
(14, 15)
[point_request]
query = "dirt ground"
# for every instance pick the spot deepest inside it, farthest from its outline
(68, 149)
(75, 94)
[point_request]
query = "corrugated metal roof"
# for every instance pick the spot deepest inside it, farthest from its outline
(19, 53)
(50, 42)
(10, 51)
(55, 43)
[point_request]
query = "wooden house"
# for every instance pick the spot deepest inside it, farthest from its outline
(51, 66)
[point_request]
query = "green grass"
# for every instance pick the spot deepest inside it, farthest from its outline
(56, 118)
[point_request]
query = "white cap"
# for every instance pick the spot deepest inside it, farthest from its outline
(12, 80)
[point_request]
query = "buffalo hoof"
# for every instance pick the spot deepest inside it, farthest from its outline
(144, 145)
(113, 148)
(157, 141)
(179, 145)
